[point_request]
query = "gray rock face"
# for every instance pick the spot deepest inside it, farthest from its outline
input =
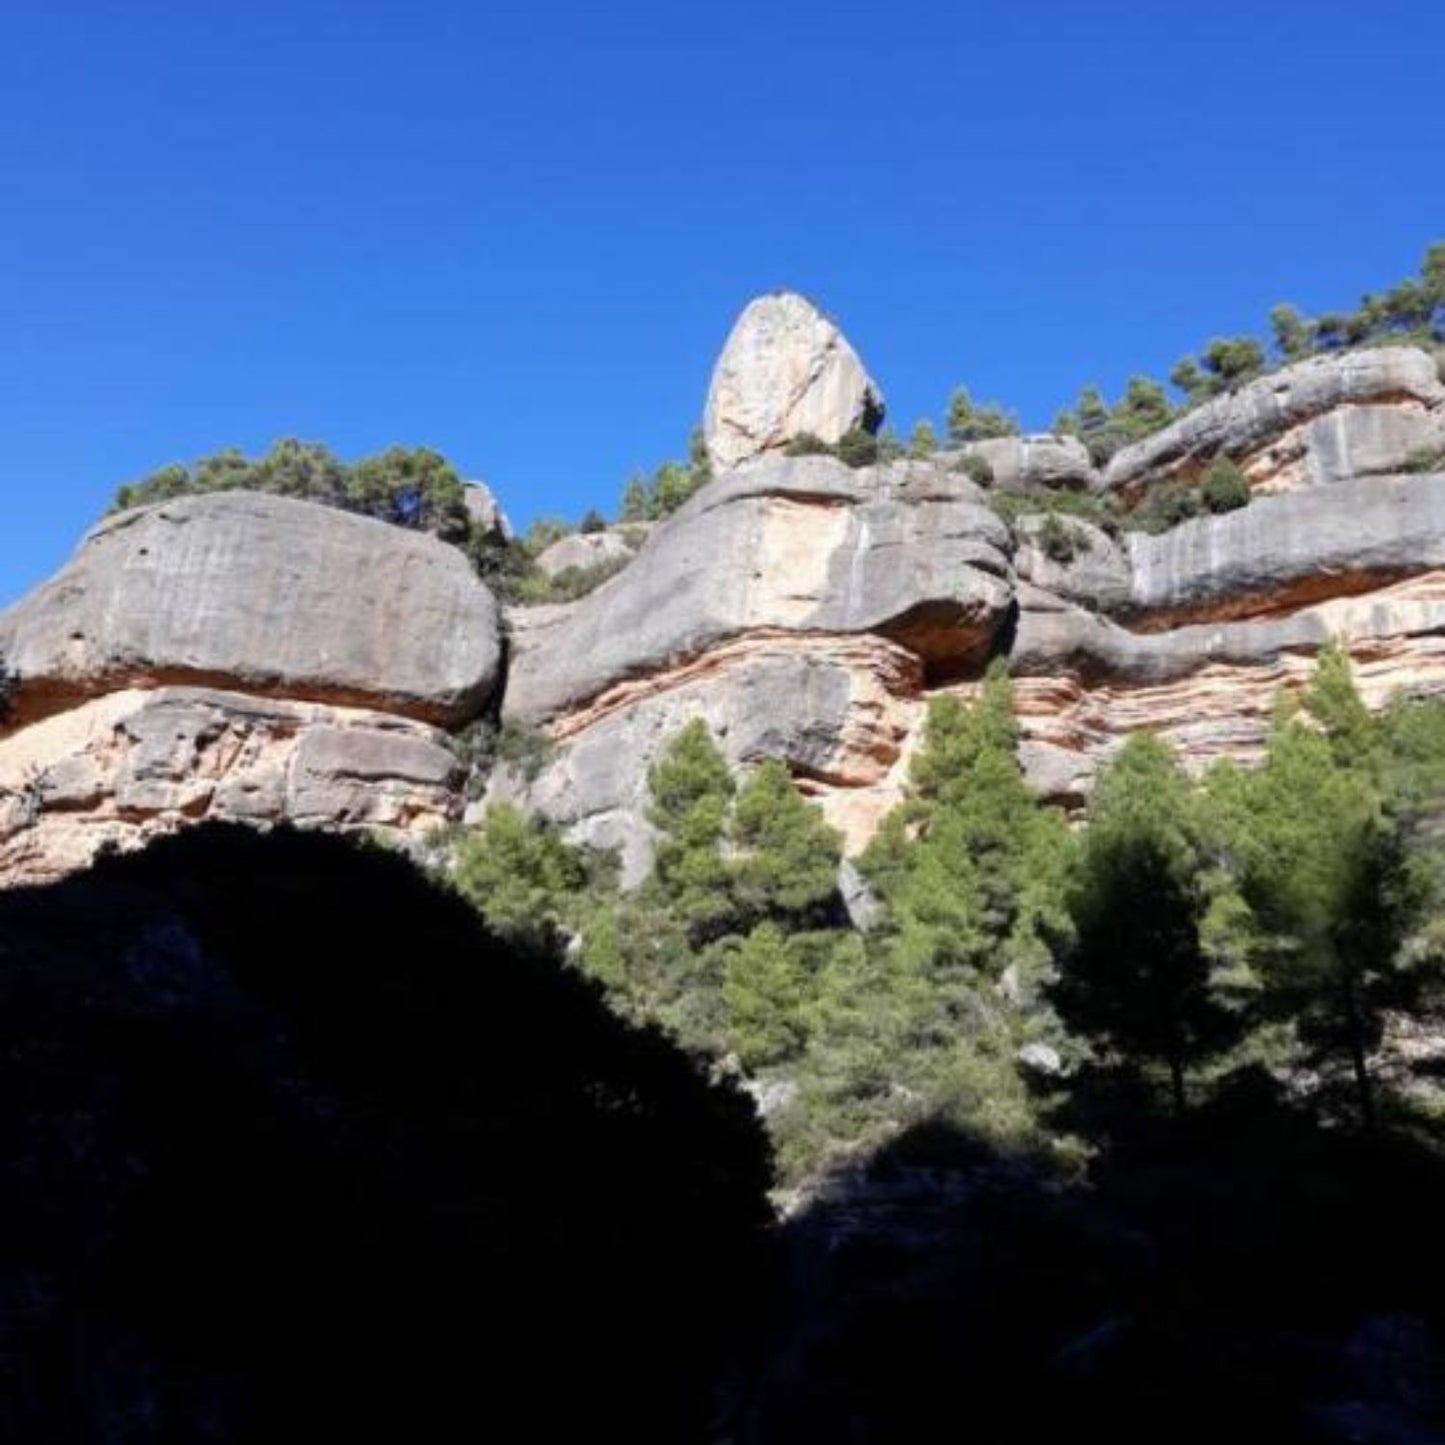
(801, 544)
(1291, 548)
(261, 594)
(1265, 411)
(1035, 461)
(785, 370)
(583, 550)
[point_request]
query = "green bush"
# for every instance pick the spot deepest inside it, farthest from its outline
(1223, 487)
(567, 585)
(593, 522)
(485, 744)
(1426, 459)
(1057, 540)
(857, 448)
(977, 469)
(805, 444)
(1165, 506)
(411, 487)
(1099, 508)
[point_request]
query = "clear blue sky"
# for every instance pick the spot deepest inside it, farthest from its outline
(519, 233)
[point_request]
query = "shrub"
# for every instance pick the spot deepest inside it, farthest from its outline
(1426, 459)
(857, 448)
(1223, 488)
(568, 585)
(977, 469)
(485, 744)
(593, 522)
(806, 444)
(1164, 507)
(1057, 540)
(8, 683)
(1099, 508)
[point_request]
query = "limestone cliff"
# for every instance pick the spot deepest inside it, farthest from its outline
(808, 611)
(253, 657)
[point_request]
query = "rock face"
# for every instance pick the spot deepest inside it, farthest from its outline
(269, 595)
(785, 371)
(808, 612)
(242, 657)
(255, 658)
(1319, 421)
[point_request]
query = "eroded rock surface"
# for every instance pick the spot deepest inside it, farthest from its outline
(809, 612)
(265, 595)
(785, 371)
(238, 657)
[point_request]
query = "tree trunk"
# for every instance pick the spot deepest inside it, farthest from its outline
(1176, 1086)
(1364, 1084)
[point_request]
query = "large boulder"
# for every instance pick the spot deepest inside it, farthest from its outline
(261, 595)
(785, 372)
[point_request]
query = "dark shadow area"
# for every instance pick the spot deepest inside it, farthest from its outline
(292, 1148)
(1240, 1275)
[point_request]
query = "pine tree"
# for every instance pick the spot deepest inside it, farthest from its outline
(785, 856)
(1141, 979)
(521, 874)
(691, 789)
(1338, 894)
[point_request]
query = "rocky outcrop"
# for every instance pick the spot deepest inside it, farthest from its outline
(809, 612)
(1316, 422)
(265, 595)
(798, 545)
(585, 550)
(240, 657)
(785, 372)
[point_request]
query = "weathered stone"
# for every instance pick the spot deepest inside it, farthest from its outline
(785, 371)
(1034, 461)
(797, 545)
(1266, 425)
(125, 767)
(584, 550)
(265, 595)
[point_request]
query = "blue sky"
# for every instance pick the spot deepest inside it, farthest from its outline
(519, 233)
